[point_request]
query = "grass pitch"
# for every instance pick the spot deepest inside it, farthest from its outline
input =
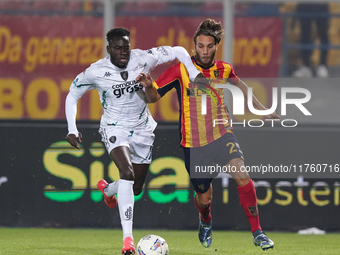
(102, 241)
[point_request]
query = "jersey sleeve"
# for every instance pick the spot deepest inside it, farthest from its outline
(233, 78)
(158, 56)
(168, 80)
(82, 83)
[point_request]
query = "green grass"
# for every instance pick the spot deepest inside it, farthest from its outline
(102, 241)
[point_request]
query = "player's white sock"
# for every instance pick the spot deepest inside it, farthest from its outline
(126, 202)
(112, 189)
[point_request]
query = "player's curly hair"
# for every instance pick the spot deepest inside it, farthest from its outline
(210, 27)
(118, 31)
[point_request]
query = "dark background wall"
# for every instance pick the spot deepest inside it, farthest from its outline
(44, 182)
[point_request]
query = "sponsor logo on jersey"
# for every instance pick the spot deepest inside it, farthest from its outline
(107, 74)
(124, 75)
(127, 87)
(195, 92)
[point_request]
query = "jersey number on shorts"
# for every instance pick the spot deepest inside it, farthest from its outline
(232, 149)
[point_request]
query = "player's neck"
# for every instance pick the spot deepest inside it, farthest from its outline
(205, 66)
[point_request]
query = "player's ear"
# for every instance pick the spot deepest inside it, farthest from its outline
(194, 48)
(108, 49)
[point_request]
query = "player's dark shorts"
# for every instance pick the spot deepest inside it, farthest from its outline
(218, 152)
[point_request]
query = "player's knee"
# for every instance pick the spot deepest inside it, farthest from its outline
(137, 187)
(205, 199)
(242, 181)
(137, 190)
(127, 174)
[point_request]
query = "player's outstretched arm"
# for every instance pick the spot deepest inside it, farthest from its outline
(256, 102)
(151, 94)
(71, 112)
(183, 56)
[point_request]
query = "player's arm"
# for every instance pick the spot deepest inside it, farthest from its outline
(71, 113)
(79, 86)
(183, 56)
(243, 86)
(164, 54)
(151, 94)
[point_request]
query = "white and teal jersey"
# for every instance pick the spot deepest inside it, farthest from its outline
(123, 99)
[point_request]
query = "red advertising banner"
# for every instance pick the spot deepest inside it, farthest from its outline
(39, 58)
(41, 55)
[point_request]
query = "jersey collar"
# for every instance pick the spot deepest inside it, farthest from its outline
(203, 67)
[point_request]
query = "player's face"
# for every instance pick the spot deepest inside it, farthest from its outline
(205, 48)
(119, 49)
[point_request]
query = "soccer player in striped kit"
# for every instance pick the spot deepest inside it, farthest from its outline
(203, 142)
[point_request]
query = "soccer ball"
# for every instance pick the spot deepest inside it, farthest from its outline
(152, 245)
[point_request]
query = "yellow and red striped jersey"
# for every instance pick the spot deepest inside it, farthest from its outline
(197, 129)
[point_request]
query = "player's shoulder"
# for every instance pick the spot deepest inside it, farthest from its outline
(152, 52)
(99, 64)
(222, 63)
(98, 69)
(223, 66)
(139, 53)
(135, 53)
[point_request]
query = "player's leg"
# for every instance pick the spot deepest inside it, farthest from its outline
(203, 204)
(246, 191)
(203, 188)
(203, 198)
(110, 190)
(323, 25)
(141, 144)
(140, 171)
(114, 138)
(121, 156)
(117, 144)
(305, 23)
(248, 201)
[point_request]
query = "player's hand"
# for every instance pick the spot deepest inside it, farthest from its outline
(272, 116)
(72, 139)
(200, 81)
(145, 80)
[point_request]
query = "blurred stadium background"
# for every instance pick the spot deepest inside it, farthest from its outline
(44, 183)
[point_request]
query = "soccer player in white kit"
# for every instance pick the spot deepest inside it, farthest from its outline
(126, 125)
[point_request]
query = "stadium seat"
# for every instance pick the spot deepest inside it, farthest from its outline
(88, 6)
(14, 4)
(144, 6)
(73, 6)
(212, 6)
(48, 5)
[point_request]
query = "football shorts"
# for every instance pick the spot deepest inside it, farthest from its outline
(216, 153)
(139, 141)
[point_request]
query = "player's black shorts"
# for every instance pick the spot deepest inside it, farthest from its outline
(216, 153)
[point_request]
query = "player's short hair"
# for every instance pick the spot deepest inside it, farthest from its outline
(210, 27)
(118, 31)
